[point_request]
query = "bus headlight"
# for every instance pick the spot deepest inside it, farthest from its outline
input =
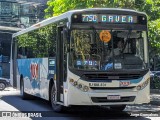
(85, 88)
(79, 85)
(143, 85)
(71, 80)
(75, 83)
(138, 87)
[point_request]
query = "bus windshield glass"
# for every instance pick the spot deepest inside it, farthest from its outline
(97, 49)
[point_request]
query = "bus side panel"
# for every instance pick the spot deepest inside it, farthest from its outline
(35, 73)
(44, 80)
(11, 72)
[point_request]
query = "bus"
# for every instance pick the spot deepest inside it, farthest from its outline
(71, 59)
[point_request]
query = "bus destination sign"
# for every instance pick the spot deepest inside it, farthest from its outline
(96, 18)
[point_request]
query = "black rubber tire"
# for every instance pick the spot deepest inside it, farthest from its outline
(24, 95)
(3, 85)
(56, 107)
(118, 107)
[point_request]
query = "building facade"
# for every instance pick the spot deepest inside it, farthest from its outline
(14, 16)
(17, 13)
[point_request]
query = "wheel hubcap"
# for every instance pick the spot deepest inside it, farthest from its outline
(2, 86)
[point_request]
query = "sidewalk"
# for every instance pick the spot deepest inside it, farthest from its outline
(155, 97)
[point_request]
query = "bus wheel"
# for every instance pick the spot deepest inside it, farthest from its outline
(24, 95)
(2, 86)
(56, 107)
(118, 107)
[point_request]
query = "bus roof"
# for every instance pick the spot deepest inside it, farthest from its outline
(68, 15)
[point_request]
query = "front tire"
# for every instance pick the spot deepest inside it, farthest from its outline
(24, 95)
(118, 107)
(56, 107)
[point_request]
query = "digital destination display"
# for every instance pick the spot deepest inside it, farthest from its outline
(103, 18)
(87, 62)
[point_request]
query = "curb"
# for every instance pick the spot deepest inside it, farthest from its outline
(10, 89)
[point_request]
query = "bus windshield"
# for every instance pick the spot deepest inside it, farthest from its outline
(97, 49)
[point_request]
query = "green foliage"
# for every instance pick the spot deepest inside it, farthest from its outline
(155, 82)
(41, 41)
(152, 9)
(154, 35)
(61, 6)
(49, 10)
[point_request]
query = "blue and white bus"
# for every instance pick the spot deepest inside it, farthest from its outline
(70, 60)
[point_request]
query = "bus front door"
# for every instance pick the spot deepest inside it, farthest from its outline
(60, 64)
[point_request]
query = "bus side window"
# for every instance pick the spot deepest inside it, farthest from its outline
(29, 53)
(21, 53)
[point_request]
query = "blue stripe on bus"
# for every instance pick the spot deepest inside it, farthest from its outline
(24, 68)
(136, 80)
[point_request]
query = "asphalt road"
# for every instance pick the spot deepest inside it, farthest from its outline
(11, 102)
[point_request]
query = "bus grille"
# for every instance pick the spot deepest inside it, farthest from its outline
(112, 88)
(104, 99)
(110, 76)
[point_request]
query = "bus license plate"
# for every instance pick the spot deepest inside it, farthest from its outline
(113, 97)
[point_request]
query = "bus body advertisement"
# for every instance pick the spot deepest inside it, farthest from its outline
(90, 57)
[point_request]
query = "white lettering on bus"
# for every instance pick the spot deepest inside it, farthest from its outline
(130, 19)
(104, 19)
(123, 18)
(110, 18)
(117, 18)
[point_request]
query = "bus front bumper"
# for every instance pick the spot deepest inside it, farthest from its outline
(121, 97)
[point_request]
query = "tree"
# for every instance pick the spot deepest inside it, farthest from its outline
(154, 36)
(152, 8)
(61, 6)
(49, 10)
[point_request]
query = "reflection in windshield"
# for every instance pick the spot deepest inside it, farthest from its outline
(106, 50)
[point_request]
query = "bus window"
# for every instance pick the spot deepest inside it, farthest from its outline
(21, 53)
(92, 53)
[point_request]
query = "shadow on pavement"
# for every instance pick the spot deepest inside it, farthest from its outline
(41, 106)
